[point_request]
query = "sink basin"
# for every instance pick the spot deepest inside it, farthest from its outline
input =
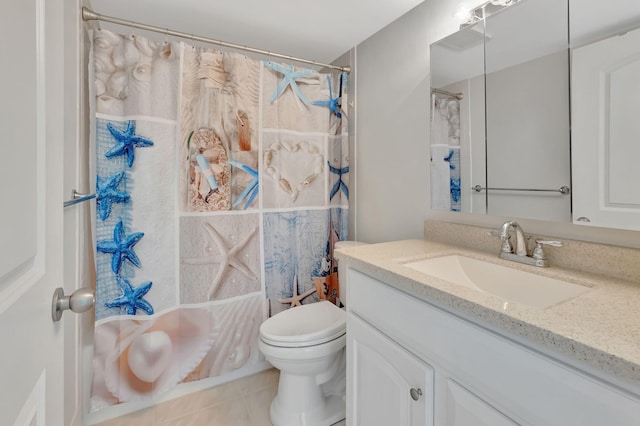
(513, 285)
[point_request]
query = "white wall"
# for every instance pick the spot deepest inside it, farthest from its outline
(392, 132)
(392, 114)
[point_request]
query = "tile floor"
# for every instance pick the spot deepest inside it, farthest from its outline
(244, 402)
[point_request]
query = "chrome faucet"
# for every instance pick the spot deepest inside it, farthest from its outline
(538, 256)
(521, 244)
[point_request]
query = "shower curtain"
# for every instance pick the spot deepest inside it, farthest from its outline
(445, 153)
(222, 184)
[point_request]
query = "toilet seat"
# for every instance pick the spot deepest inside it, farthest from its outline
(306, 325)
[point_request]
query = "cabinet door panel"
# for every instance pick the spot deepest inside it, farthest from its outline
(382, 375)
(604, 130)
(466, 409)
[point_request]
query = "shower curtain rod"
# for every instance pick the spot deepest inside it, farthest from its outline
(458, 95)
(89, 15)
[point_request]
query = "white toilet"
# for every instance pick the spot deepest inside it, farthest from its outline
(307, 345)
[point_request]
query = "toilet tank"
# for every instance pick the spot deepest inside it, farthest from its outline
(342, 273)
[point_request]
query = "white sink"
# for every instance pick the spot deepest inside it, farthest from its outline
(513, 285)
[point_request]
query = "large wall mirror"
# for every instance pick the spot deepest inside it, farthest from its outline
(502, 103)
(507, 79)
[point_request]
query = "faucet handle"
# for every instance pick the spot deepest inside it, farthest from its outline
(538, 252)
(506, 241)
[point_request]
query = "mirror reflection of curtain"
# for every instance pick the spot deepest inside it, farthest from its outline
(445, 153)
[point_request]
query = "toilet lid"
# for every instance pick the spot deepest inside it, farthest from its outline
(306, 325)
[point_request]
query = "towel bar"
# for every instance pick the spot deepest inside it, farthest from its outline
(564, 190)
(77, 197)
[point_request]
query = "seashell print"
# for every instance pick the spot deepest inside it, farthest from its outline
(309, 179)
(145, 46)
(166, 51)
(288, 174)
(117, 85)
(105, 40)
(103, 63)
(142, 70)
(100, 88)
(273, 172)
(125, 54)
(284, 184)
(150, 355)
(286, 146)
(168, 348)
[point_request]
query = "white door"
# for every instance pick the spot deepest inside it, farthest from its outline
(31, 128)
(386, 384)
(605, 127)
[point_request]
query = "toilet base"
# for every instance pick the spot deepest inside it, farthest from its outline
(332, 411)
(300, 402)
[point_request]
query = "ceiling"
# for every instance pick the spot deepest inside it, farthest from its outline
(315, 30)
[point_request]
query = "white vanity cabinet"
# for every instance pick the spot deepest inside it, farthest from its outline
(390, 385)
(468, 374)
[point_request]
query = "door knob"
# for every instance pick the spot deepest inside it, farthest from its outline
(80, 300)
(415, 393)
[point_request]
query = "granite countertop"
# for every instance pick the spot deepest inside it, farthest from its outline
(600, 328)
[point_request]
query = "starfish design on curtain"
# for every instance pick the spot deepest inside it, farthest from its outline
(455, 189)
(107, 193)
(229, 258)
(126, 142)
(448, 159)
(289, 79)
(339, 183)
(131, 297)
(251, 190)
(332, 103)
(121, 247)
(296, 299)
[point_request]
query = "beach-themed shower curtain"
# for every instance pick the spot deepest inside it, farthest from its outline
(445, 153)
(222, 183)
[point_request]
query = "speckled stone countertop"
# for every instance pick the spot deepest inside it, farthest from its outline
(599, 329)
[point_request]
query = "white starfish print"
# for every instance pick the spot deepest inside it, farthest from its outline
(296, 299)
(228, 258)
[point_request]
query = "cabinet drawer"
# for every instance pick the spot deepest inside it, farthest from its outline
(526, 386)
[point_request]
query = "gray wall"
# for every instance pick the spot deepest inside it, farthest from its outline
(392, 136)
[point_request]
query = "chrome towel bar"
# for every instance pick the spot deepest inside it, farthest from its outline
(77, 198)
(564, 190)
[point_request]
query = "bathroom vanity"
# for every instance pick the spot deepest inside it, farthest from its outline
(424, 351)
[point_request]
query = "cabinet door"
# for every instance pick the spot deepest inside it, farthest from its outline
(605, 127)
(386, 385)
(466, 409)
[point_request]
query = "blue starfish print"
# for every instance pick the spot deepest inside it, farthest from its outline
(132, 297)
(252, 189)
(126, 142)
(121, 247)
(448, 159)
(339, 183)
(107, 193)
(455, 189)
(332, 103)
(289, 79)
